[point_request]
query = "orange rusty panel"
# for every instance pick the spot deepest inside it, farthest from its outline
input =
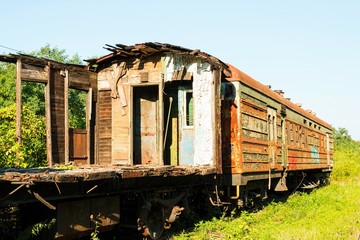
(301, 159)
(231, 150)
(254, 137)
(306, 148)
(254, 155)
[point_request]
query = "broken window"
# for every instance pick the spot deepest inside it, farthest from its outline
(189, 108)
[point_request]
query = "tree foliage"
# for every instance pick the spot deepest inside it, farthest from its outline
(346, 156)
(32, 150)
(7, 83)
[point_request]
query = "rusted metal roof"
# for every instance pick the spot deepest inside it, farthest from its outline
(237, 75)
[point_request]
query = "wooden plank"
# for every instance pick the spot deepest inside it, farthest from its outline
(120, 127)
(48, 118)
(18, 103)
(131, 133)
(79, 80)
(104, 127)
(161, 122)
(32, 73)
(94, 84)
(88, 118)
(66, 115)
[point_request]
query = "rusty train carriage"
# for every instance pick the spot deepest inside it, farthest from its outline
(159, 119)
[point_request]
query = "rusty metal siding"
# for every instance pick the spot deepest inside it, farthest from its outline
(254, 136)
(104, 127)
(306, 147)
(230, 124)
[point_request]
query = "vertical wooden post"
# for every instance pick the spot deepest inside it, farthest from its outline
(18, 104)
(161, 123)
(131, 128)
(88, 118)
(66, 115)
(216, 118)
(48, 117)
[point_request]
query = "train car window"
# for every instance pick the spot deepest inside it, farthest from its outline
(316, 142)
(189, 108)
(272, 125)
(298, 142)
(309, 141)
(328, 147)
(303, 139)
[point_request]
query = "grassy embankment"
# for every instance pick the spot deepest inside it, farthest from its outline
(331, 212)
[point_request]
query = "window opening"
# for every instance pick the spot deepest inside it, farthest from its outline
(189, 109)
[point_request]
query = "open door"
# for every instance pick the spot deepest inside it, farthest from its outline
(146, 125)
(186, 126)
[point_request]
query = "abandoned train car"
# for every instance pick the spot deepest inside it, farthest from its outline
(162, 120)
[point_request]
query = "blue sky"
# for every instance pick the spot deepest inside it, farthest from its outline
(310, 48)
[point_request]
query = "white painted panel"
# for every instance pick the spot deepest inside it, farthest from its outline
(204, 123)
(203, 92)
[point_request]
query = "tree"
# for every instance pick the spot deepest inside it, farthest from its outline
(7, 83)
(32, 150)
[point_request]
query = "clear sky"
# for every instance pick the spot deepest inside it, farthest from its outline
(310, 48)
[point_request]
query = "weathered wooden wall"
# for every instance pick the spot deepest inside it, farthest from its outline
(114, 106)
(104, 127)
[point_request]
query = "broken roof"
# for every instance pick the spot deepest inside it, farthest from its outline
(149, 48)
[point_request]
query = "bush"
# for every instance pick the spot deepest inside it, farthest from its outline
(32, 150)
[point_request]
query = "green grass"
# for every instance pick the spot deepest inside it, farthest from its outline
(331, 212)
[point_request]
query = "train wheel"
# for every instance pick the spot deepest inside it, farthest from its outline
(151, 221)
